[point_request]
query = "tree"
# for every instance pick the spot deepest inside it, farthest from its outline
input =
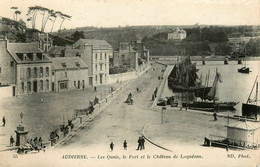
(77, 35)
(53, 19)
(17, 12)
(63, 17)
(14, 8)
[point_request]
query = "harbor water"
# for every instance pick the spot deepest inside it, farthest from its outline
(235, 86)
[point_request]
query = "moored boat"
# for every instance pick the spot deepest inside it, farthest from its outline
(250, 108)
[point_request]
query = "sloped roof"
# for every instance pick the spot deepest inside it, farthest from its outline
(56, 50)
(14, 48)
(97, 44)
(70, 62)
(246, 125)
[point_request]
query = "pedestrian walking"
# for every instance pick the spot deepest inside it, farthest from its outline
(111, 146)
(95, 89)
(139, 143)
(11, 141)
(83, 86)
(142, 143)
(4, 121)
(215, 116)
(125, 145)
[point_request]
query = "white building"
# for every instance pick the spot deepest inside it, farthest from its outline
(177, 34)
(244, 133)
(69, 73)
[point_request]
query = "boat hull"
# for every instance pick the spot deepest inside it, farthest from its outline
(210, 106)
(250, 110)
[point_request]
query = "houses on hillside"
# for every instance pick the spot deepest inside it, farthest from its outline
(38, 67)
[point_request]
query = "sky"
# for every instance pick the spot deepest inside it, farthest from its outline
(114, 13)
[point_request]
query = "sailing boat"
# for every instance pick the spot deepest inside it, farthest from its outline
(212, 98)
(250, 108)
(244, 69)
(184, 78)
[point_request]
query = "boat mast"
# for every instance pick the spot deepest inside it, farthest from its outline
(252, 90)
(215, 90)
(256, 98)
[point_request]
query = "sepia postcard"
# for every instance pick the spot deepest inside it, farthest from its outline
(129, 83)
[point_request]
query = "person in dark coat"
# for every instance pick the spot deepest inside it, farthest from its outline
(139, 143)
(215, 116)
(125, 145)
(111, 146)
(11, 141)
(3, 120)
(142, 143)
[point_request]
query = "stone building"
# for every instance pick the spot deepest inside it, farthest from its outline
(44, 40)
(177, 34)
(130, 54)
(24, 66)
(96, 54)
(69, 73)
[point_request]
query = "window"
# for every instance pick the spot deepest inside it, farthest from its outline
(28, 73)
(53, 73)
(96, 56)
(101, 65)
(96, 68)
(35, 72)
(22, 87)
(75, 83)
(41, 72)
(63, 85)
(100, 56)
(21, 73)
(47, 84)
(47, 72)
(96, 78)
(11, 63)
(41, 85)
(65, 74)
(105, 56)
(0, 70)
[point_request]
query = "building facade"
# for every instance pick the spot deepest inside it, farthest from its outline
(130, 54)
(176, 34)
(24, 66)
(96, 54)
(69, 73)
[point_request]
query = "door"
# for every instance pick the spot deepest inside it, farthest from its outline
(13, 91)
(52, 86)
(78, 84)
(35, 86)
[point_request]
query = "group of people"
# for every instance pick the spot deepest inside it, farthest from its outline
(140, 142)
(36, 143)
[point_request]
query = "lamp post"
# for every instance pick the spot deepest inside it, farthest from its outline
(21, 116)
(163, 108)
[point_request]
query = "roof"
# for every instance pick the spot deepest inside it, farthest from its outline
(97, 44)
(246, 125)
(14, 48)
(56, 50)
(69, 62)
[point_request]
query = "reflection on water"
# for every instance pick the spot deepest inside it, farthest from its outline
(235, 86)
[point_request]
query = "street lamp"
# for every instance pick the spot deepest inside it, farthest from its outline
(21, 116)
(163, 108)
